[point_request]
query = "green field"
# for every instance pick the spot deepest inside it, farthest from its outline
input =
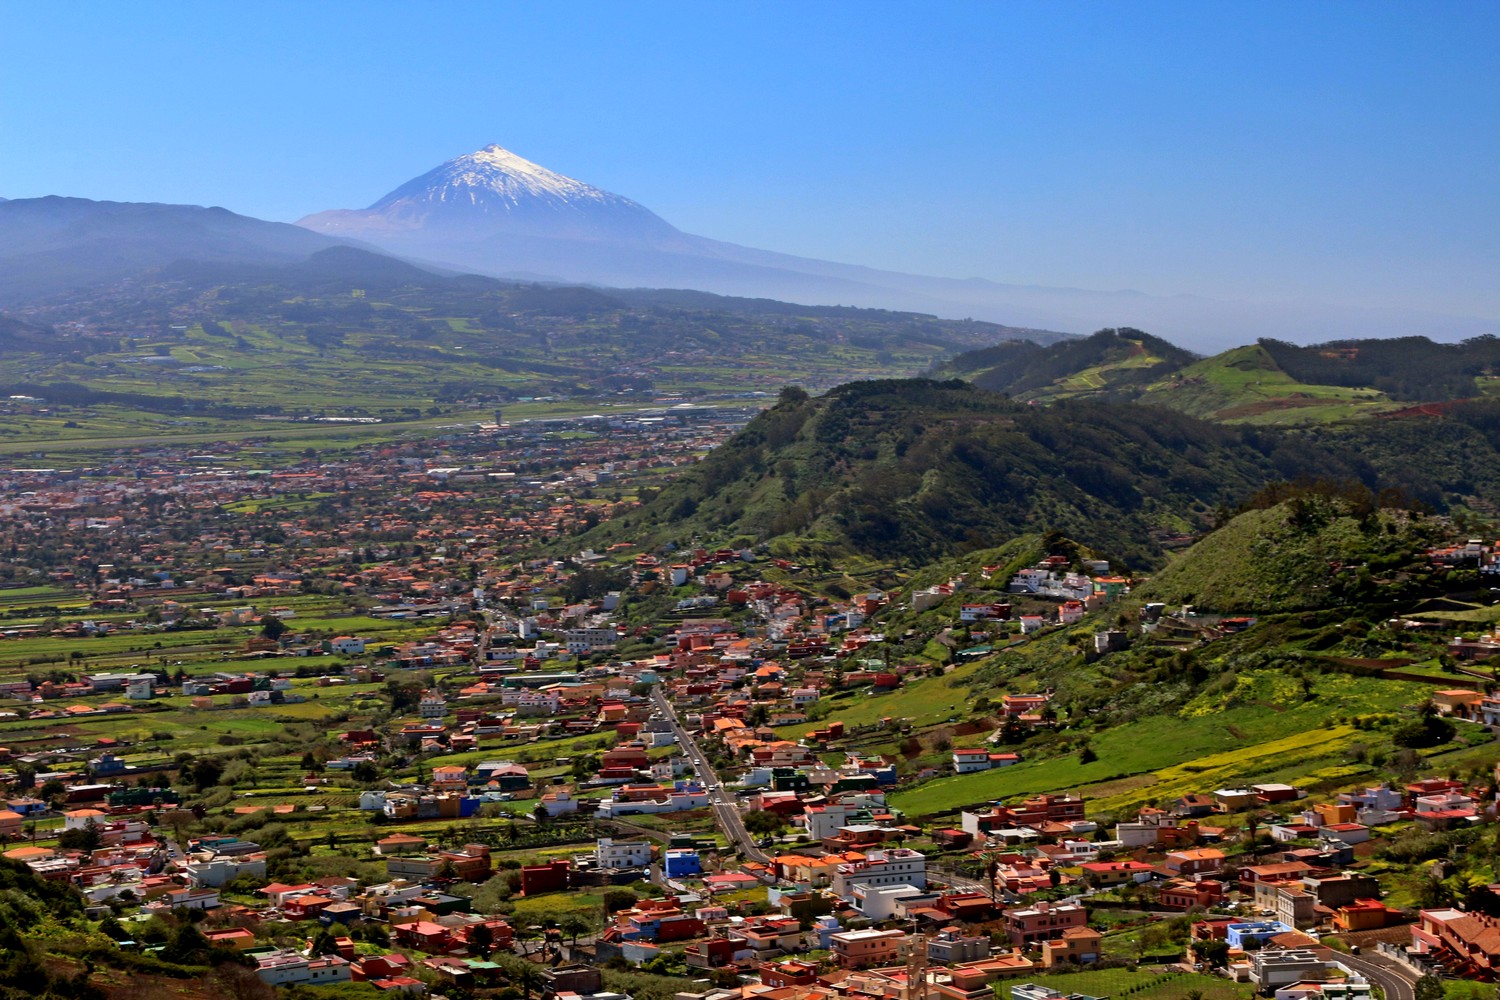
(1245, 385)
(922, 702)
(1199, 749)
(1142, 983)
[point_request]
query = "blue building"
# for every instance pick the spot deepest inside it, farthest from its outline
(1256, 931)
(681, 863)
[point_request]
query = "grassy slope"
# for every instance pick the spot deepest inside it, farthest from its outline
(1099, 378)
(1265, 560)
(1207, 744)
(1246, 385)
(1143, 984)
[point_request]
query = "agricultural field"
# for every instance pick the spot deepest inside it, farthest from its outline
(921, 702)
(1142, 983)
(1203, 746)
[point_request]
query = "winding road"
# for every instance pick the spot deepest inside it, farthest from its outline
(1398, 982)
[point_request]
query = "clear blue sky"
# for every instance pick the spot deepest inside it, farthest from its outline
(1348, 152)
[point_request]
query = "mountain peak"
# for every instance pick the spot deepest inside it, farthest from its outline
(493, 180)
(493, 193)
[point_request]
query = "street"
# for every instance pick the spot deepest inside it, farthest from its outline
(1397, 981)
(726, 813)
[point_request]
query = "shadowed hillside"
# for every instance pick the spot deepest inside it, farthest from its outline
(902, 472)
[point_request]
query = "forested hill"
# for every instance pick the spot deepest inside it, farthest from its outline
(1107, 363)
(1405, 368)
(1268, 382)
(903, 472)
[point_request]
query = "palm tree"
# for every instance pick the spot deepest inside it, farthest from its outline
(528, 977)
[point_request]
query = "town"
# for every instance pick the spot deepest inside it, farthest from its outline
(346, 721)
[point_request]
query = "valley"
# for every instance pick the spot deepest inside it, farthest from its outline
(365, 627)
(336, 696)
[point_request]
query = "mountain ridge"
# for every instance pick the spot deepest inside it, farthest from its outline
(627, 249)
(56, 244)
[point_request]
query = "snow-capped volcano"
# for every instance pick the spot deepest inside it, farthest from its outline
(493, 172)
(493, 212)
(494, 191)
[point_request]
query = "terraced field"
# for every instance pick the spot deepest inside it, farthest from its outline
(1204, 747)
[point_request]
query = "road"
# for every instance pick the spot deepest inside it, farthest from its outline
(726, 813)
(957, 881)
(1398, 982)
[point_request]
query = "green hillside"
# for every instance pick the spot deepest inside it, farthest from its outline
(355, 336)
(1307, 552)
(1246, 385)
(1268, 382)
(1414, 369)
(899, 473)
(1106, 365)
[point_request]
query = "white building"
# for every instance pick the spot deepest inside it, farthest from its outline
(825, 821)
(969, 761)
(287, 968)
(214, 872)
(585, 640)
(894, 866)
(880, 902)
(676, 801)
(622, 853)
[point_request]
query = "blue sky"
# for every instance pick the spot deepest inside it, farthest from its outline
(1348, 152)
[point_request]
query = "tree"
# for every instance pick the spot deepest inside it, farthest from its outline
(573, 925)
(1086, 754)
(186, 945)
(236, 982)
(528, 977)
(206, 773)
(324, 943)
(273, 628)
(764, 823)
(1429, 987)
(86, 838)
(482, 939)
(619, 899)
(490, 895)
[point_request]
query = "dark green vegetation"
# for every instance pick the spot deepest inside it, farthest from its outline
(1269, 382)
(48, 951)
(1406, 368)
(1298, 549)
(906, 472)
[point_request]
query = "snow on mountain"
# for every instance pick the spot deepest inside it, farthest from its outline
(496, 213)
(494, 191)
(492, 173)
